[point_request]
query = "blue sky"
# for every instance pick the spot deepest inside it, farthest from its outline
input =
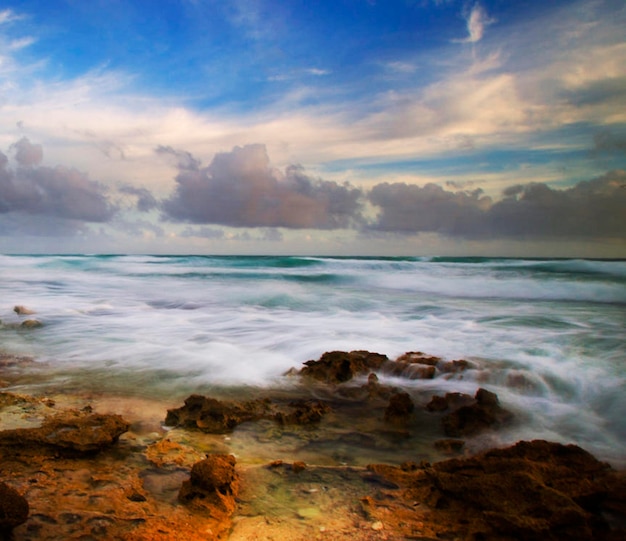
(334, 127)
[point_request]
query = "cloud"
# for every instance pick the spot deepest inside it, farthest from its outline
(409, 209)
(477, 21)
(58, 192)
(590, 209)
(240, 189)
(145, 200)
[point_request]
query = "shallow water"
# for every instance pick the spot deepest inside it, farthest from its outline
(546, 335)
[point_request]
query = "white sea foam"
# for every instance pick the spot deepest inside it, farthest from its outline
(547, 336)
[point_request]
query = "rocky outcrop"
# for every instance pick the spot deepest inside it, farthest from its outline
(340, 366)
(533, 490)
(220, 417)
(70, 432)
(13, 509)
(470, 416)
(215, 416)
(212, 486)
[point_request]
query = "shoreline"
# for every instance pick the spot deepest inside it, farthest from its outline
(130, 487)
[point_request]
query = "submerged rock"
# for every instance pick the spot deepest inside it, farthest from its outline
(70, 431)
(13, 508)
(533, 490)
(400, 409)
(31, 324)
(22, 310)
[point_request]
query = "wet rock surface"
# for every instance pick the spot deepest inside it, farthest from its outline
(70, 431)
(90, 474)
(13, 509)
(533, 490)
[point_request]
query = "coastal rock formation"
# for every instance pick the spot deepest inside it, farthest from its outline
(70, 431)
(341, 366)
(215, 416)
(212, 486)
(13, 509)
(470, 416)
(533, 490)
(220, 417)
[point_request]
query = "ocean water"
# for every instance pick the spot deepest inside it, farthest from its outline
(548, 336)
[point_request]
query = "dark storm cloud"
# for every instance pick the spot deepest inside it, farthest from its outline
(590, 209)
(240, 189)
(58, 191)
(409, 208)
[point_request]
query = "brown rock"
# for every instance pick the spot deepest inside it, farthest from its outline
(22, 310)
(304, 412)
(449, 401)
(31, 324)
(340, 366)
(533, 491)
(212, 486)
(215, 416)
(400, 408)
(469, 420)
(69, 431)
(13, 508)
(413, 365)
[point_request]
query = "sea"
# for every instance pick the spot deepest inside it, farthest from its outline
(548, 336)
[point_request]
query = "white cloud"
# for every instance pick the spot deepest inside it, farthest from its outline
(477, 21)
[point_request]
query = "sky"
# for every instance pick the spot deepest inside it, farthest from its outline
(330, 127)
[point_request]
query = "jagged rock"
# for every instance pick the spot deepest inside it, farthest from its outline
(22, 310)
(449, 401)
(400, 408)
(340, 366)
(212, 486)
(304, 412)
(413, 365)
(484, 413)
(69, 431)
(13, 508)
(215, 416)
(533, 490)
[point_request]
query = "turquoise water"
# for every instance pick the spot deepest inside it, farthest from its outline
(546, 335)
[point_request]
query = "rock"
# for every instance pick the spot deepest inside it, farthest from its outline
(215, 416)
(400, 408)
(213, 486)
(31, 324)
(22, 310)
(69, 431)
(13, 508)
(453, 367)
(449, 446)
(341, 366)
(305, 412)
(413, 365)
(483, 414)
(449, 401)
(533, 490)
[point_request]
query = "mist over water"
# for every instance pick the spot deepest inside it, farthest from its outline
(546, 335)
